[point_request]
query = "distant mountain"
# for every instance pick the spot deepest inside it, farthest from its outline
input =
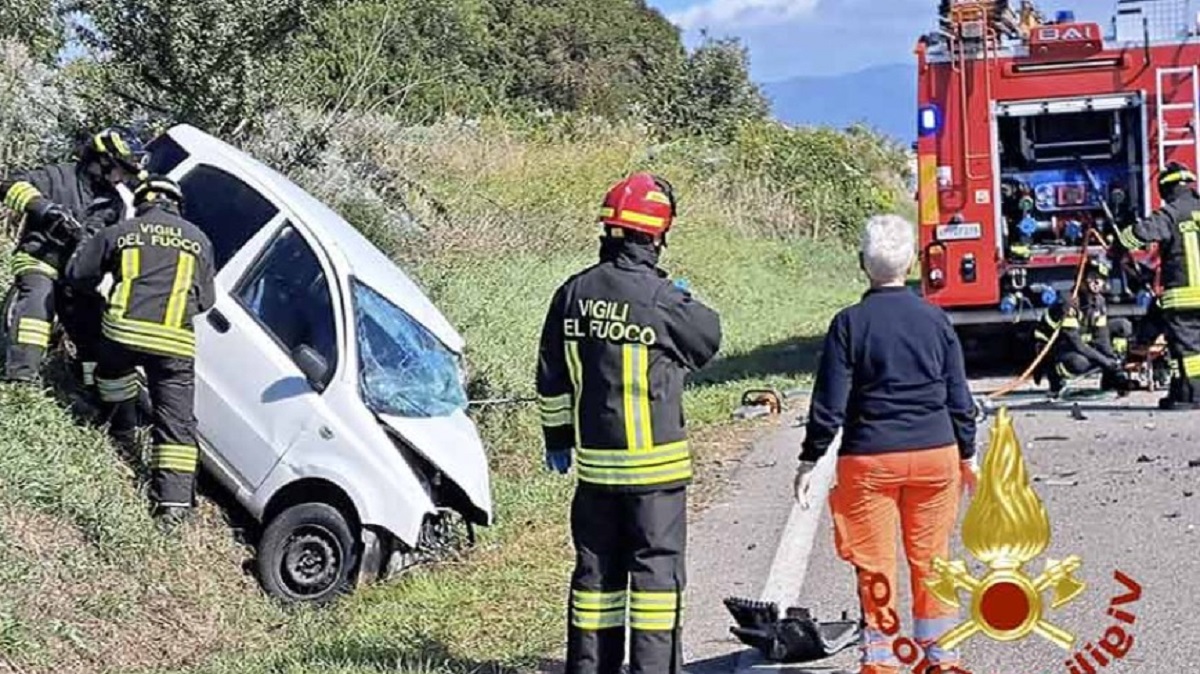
(884, 97)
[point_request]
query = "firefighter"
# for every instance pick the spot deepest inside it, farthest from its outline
(1175, 227)
(62, 203)
(618, 340)
(1087, 340)
(162, 267)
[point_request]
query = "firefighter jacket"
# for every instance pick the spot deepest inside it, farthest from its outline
(162, 267)
(618, 340)
(93, 202)
(1176, 229)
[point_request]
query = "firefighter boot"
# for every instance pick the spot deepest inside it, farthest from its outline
(122, 419)
(169, 518)
(1056, 382)
(1180, 396)
(1116, 380)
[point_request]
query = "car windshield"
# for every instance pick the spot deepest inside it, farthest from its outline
(405, 369)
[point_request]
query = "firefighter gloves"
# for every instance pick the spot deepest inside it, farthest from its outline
(559, 461)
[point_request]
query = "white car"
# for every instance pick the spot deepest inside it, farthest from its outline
(329, 389)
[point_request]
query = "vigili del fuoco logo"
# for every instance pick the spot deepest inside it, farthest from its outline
(1005, 528)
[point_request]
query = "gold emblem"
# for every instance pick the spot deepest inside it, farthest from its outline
(1006, 526)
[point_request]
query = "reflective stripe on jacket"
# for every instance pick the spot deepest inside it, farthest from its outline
(162, 267)
(618, 340)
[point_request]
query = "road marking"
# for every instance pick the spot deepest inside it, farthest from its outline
(790, 564)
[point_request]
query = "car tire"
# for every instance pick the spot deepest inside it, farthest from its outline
(307, 554)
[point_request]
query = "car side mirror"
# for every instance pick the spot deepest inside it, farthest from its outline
(312, 364)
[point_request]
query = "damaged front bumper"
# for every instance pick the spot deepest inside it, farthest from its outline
(797, 637)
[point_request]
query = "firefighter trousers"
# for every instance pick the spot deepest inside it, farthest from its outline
(81, 315)
(39, 299)
(171, 383)
(1183, 343)
(630, 553)
(915, 493)
(29, 323)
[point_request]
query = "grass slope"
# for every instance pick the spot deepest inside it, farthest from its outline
(91, 587)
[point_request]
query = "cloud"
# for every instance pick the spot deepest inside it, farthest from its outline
(741, 13)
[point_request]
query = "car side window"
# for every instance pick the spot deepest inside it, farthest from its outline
(228, 210)
(287, 291)
(164, 155)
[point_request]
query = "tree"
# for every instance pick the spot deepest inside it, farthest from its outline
(37, 24)
(597, 56)
(711, 94)
(217, 64)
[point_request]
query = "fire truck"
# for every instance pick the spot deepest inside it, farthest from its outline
(1036, 137)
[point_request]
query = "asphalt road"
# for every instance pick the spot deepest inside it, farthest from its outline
(1119, 492)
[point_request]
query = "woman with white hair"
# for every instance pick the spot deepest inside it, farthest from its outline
(892, 379)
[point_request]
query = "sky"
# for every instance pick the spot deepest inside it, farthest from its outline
(788, 38)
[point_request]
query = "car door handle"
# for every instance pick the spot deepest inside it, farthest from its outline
(218, 320)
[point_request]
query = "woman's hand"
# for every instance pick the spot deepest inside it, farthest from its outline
(969, 469)
(803, 485)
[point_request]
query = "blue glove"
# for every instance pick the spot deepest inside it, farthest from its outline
(683, 285)
(560, 461)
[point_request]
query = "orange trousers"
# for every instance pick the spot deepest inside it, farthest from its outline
(913, 493)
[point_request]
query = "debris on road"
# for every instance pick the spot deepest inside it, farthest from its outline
(1145, 459)
(1172, 515)
(763, 402)
(1077, 413)
(798, 637)
(1057, 483)
(1194, 463)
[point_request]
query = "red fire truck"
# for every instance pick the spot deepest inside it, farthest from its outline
(1034, 134)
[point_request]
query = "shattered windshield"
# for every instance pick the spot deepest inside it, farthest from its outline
(405, 369)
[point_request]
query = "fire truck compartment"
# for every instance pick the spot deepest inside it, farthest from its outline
(1065, 167)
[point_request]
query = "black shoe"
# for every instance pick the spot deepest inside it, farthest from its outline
(1172, 405)
(171, 518)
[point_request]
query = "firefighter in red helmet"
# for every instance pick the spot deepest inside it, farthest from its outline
(618, 340)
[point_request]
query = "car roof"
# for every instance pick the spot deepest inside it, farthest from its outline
(367, 263)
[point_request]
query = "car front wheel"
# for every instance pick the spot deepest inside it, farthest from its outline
(307, 554)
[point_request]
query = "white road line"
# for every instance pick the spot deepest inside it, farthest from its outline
(790, 564)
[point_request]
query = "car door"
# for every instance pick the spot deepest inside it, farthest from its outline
(258, 392)
(251, 399)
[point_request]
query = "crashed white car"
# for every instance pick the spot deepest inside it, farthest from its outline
(329, 390)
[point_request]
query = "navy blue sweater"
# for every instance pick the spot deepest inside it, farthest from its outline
(892, 378)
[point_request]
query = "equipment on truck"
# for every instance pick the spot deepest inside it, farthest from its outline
(1039, 137)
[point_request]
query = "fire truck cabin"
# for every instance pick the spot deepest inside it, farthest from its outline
(1033, 135)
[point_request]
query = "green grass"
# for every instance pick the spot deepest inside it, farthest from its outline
(89, 586)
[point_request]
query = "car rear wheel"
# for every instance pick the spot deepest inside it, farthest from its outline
(307, 554)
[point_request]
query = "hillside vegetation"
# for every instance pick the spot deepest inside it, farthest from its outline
(478, 164)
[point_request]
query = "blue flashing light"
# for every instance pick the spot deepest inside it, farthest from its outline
(1064, 16)
(1028, 226)
(1049, 296)
(1009, 304)
(929, 120)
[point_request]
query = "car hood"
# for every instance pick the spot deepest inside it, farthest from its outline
(452, 444)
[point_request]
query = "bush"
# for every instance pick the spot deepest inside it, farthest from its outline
(833, 180)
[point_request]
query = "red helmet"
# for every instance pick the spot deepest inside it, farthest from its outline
(642, 202)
